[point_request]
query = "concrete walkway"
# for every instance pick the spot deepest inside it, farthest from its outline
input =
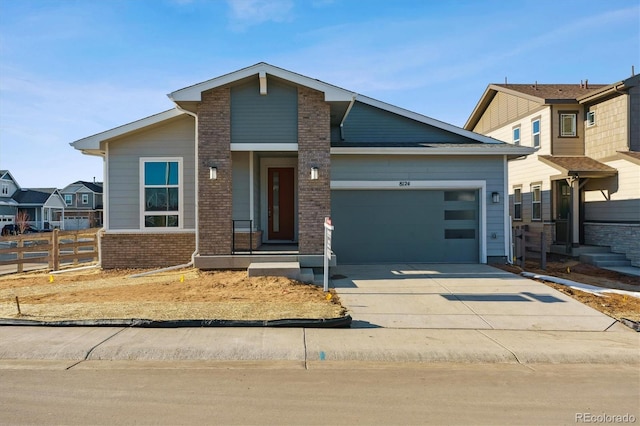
(402, 313)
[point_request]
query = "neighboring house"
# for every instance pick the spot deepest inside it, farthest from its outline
(44, 207)
(8, 206)
(268, 153)
(582, 186)
(83, 205)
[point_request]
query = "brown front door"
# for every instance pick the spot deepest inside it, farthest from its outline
(281, 203)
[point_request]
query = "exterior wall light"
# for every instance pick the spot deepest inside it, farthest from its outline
(213, 173)
(495, 197)
(314, 173)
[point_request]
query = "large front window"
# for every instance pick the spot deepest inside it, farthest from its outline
(161, 192)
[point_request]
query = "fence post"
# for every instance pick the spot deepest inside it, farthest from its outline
(55, 250)
(543, 251)
(20, 254)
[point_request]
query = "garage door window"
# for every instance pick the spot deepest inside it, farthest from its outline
(456, 219)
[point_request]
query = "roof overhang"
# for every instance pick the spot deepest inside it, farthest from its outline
(578, 167)
(189, 95)
(92, 145)
(510, 151)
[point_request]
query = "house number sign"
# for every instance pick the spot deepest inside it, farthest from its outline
(404, 183)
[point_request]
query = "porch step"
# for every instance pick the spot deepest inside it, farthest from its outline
(605, 259)
(275, 269)
(578, 251)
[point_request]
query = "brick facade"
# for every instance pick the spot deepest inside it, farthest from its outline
(215, 196)
(314, 145)
(621, 238)
(146, 250)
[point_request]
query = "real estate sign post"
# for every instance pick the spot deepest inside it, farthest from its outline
(328, 229)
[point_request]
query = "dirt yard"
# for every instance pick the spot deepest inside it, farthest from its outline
(615, 305)
(181, 294)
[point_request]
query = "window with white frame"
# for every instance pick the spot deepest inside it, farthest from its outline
(568, 124)
(536, 202)
(68, 199)
(85, 198)
(161, 189)
(517, 203)
(5, 189)
(591, 118)
(535, 133)
(516, 135)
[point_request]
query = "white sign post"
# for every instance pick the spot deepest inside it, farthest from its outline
(328, 228)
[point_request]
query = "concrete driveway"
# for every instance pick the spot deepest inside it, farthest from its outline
(478, 297)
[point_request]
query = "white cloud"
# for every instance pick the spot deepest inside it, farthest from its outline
(245, 13)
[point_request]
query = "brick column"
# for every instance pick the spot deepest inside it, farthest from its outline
(314, 144)
(214, 196)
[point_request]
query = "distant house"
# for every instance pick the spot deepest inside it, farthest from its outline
(83, 205)
(44, 207)
(582, 185)
(8, 206)
(265, 155)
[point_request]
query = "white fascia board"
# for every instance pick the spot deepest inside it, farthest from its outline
(264, 147)
(510, 150)
(91, 144)
(413, 184)
(194, 93)
(426, 120)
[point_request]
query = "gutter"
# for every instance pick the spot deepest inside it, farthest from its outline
(197, 248)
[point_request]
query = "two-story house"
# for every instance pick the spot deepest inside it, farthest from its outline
(83, 205)
(8, 206)
(582, 185)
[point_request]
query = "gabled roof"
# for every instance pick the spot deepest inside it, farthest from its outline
(33, 196)
(6, 175)
(187, 97)
(91, 186)
(544, 94)
(578, 166)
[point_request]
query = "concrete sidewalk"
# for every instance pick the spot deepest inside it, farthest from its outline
(402, 313)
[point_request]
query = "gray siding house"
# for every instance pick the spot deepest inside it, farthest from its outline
(255, 160)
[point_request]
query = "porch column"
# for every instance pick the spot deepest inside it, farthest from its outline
(214, 195)
(574, 182)
(314, 146)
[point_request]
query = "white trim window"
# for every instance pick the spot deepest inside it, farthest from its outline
(85, 198)
(161, 189)
(568, 124)
(516, 135)
(536, 202)
(5, 189)
(535, 133)
(591, 118)
(517, 203)
(68, 199)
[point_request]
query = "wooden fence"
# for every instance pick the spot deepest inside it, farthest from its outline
(49, 249)
(524, 246)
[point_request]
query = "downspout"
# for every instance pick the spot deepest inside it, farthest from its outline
(196, 168)
(353, 100)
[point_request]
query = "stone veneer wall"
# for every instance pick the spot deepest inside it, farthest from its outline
(622, 238)
(215, 196)
(314, 146)
(146, 250)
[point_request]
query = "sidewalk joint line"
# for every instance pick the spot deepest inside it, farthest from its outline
(304, 345)
(94, 347)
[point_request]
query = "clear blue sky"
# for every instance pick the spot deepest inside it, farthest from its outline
(70, 69)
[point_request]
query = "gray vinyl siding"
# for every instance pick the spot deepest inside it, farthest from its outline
(434, 168)
(625, 211)
(175, 138)
(270, 118)
(241, 195)
(366, 123)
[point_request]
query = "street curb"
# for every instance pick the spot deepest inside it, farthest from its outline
(340, 322)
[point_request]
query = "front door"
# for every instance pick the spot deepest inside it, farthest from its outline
(281, 211)
(563, 212)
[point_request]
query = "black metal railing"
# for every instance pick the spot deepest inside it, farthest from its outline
(235, 250)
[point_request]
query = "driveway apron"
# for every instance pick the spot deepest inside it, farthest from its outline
(457, 296)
